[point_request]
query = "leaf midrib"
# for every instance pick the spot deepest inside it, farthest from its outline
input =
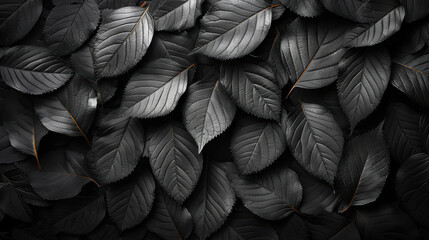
(317, 144)
(168, 82)
(221, 35)
(371, 25)
(122, 42)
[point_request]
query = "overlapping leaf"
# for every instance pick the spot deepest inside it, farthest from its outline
(68, 26)
(116, 149)
(105, 231)
(304, 8)
(253, 87)
(83, 62)
(331, 226)
(212, 200)
(256, 144)
(168, 219)
(401, 130)
(232, 29)
(207, 111)
(122, 40)
(345, 8)
(172, 46)
(11, 202)
(292, 228)
(70, 110)
(424, 130)
(149, 174)
(115, 4)
(173, 15)
(372, 11)
(8, 154)
(315, 140)
(62, 176)
(415, 9)
(130, 201)
(174, 158)
(410, 74)
(311, 51)
(79, 217)
(363, 169)
(276, 61)
(17, 18)
(22, 124)
(327, 97)
(244, 225)
(273, 194)
(363, 77)
(412, 185)
(17, 194)
(155, 89)
(370, 34)
(317, 195)
(386, 221)
(19, 180)
(33, 70)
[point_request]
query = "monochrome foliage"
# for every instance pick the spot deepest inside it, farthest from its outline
(214, 119)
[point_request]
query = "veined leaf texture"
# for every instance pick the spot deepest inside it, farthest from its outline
(214, 119)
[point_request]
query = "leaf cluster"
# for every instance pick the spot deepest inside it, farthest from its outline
(214, 119)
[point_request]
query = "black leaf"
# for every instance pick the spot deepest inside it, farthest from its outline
(363, 169)
(33, 70)
(69, 26)
(130, 201)
(174, 158)
(233, 29)
(122, 40)
(116, 149)
(18, 17)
